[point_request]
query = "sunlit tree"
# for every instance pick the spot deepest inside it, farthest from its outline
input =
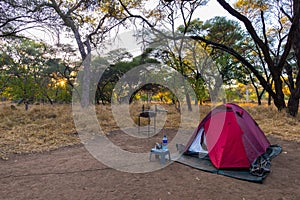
(30, 73)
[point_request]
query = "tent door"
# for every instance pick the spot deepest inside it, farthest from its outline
(199, 144)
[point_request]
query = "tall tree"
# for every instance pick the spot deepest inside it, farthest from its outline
(119, 65)
(275, 57)
(229, 33)
(273, 49)
(28, 67)
(76, 16)
(87, 20)
(163, 20)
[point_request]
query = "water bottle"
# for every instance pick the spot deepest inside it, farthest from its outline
(165, 142)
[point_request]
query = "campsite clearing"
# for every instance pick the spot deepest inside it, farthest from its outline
(35, 171)
(46, 127)
(72, 173)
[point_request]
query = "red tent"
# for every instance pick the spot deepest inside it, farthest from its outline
(231, 137)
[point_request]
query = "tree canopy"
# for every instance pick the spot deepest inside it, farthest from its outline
(257, 45)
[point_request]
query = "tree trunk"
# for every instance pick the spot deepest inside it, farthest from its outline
(188, 101)
(26, 105)
(85, 93)
(258, 95)
(69, 22)
(187, 96)
(259, 100)
(293, 105)
(269, 99)
(279, 98)
(279, 102)
(196, 101)
(85, 99)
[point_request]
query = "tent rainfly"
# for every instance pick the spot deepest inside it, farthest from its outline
(230, 137)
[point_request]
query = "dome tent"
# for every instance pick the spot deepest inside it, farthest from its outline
(231, 143)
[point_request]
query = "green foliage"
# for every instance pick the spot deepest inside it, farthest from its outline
(115, 69)
(29, 73)
(225, 32)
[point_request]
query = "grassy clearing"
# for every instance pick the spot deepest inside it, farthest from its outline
(41, 128)
(46, 127)
(275, 123)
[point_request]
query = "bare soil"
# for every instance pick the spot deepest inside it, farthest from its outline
(72, 173)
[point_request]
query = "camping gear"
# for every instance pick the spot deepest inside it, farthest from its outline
(164, 142)
(147, 114)
(229, 140)
(160, 153)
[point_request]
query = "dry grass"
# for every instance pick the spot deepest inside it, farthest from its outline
(46, 127)
(40, 128)
(275, 123)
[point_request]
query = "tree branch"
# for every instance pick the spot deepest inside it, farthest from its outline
(290, 40)
(264, 26)
(232, 52)
(286, 14)
(264, 47)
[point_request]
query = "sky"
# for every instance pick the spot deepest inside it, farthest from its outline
(212, 9)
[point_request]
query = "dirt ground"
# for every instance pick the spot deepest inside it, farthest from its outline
(72, 173)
